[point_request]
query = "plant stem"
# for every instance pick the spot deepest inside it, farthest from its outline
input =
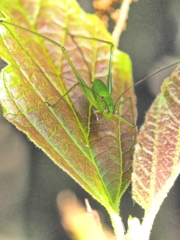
(123, 15)
(117, 224)
(147, 223)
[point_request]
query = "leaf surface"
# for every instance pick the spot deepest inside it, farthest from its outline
(157, 153)
(96, 153)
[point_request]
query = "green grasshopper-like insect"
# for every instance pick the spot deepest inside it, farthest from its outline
(100, 95)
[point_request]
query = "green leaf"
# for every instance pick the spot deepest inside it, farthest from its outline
(157, 154)
(96, 153)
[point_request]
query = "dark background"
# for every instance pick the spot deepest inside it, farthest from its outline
(30, 182)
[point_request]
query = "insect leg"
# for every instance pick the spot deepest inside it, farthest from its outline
(53, 105)
(131, 105)
(124, 120)
(109, 80)
(78, 76)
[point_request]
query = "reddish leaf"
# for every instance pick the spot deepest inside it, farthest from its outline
(97, 154)
(157, 156)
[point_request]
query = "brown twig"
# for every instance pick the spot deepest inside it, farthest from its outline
(123, 15)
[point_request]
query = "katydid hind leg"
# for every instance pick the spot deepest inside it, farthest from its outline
(82, 84)
(78, 76)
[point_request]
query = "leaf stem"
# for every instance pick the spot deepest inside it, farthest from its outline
(147, 223)
(117, 224)
(137, 231)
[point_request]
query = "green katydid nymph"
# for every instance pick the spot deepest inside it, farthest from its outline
(100, 94)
